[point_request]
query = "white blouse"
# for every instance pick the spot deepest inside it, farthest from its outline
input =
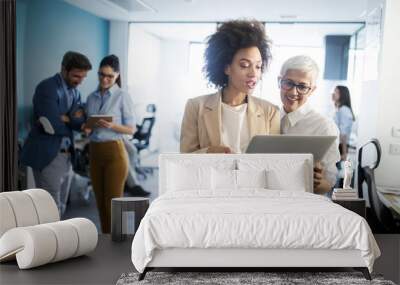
(234, 128)
(306, 121)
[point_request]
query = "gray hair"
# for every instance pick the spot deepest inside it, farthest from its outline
(302, 63)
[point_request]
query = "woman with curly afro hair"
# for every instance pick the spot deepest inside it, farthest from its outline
(236, 56)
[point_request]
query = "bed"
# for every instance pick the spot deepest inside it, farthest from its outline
(245, 211)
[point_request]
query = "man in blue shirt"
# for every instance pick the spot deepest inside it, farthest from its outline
(58, 111)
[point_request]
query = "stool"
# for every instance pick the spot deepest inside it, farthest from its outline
(126, 214)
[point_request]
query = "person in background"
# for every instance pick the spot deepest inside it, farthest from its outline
(344, 118)
(297, 82)
(57, 111)
(224, 122)
(108, 158)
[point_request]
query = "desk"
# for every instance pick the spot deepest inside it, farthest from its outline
(126, 215)
(355, 205)
(390, 200)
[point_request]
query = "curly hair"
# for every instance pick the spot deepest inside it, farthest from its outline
(230, 37)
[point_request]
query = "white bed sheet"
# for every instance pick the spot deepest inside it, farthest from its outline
(252, 218)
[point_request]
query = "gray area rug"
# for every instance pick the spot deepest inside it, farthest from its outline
(243, 278)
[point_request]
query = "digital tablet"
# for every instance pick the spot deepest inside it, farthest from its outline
(93, 119)
(316, 145)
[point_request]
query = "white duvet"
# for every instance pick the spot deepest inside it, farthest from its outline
(252, 218)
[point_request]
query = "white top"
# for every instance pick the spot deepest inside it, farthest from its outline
(234, 128)
(306, 121)
(344, 120)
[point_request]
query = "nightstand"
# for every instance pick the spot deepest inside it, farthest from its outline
(126, 214)
(355, 205)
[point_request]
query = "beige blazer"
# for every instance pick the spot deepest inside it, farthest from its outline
(201, 124)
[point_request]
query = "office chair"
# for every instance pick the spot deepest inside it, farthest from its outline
(379, 216)
(143, 133)
(81, 163)
(141, 140)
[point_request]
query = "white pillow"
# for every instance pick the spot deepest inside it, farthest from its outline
(183, 177)
(293, 180)
(251, 178)
(224, 179)
(229, 179)
(281, 174)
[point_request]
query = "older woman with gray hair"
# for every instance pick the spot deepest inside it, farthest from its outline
(297, 82)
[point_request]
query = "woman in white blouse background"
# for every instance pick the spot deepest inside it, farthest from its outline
(344, 117)
(236, 56)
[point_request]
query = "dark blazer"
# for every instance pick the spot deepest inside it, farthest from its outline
(41, 148)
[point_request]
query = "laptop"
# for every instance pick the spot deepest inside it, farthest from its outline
(316, 145)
